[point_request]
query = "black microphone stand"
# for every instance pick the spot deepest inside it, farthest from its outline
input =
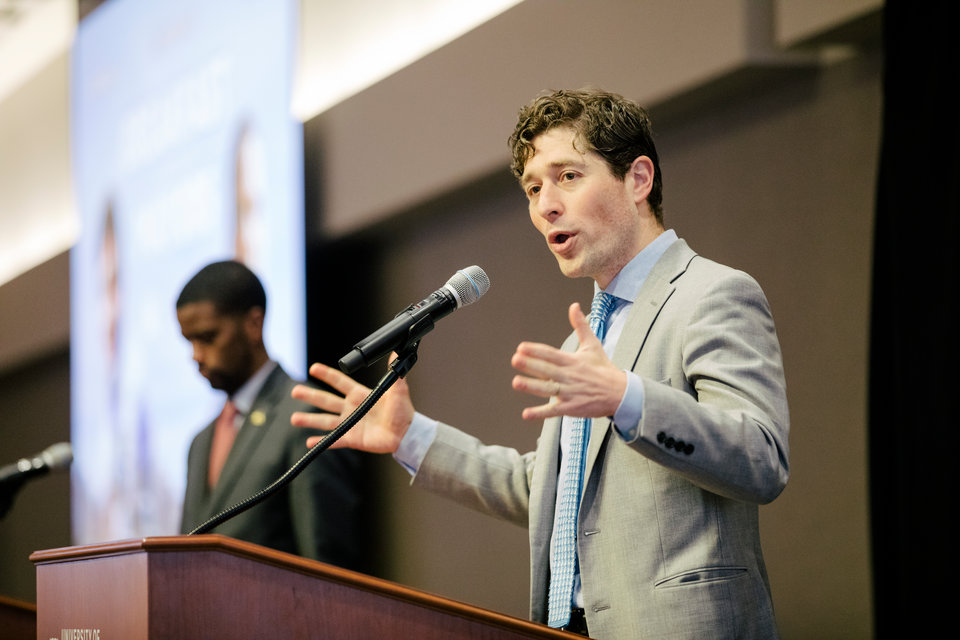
(8, 491)
(406, 358)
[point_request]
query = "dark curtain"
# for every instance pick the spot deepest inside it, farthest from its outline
(913, 346)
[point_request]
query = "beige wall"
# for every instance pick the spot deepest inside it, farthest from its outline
(766, 168)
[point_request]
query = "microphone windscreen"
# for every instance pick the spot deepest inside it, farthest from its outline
(58, 456)
(468, 285)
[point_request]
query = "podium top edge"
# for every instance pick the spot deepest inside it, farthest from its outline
(224, 544)
(156, 543)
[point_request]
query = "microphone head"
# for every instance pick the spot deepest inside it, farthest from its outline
(468, 285)
(57, 456)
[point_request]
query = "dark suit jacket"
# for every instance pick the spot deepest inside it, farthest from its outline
(316, 516)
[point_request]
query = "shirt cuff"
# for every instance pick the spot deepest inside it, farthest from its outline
(626, 420)
(413, 447)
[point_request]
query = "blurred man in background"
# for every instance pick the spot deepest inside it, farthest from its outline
(221, 311)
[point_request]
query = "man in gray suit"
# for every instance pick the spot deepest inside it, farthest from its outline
(685, 396)
(221, 313)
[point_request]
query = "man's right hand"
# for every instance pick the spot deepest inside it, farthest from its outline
(380, 431)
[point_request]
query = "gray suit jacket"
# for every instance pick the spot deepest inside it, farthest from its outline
(316, 516)
(668, 538)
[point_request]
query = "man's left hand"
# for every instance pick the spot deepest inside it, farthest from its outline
(583, 384)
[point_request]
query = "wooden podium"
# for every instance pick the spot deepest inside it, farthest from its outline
(211, 586)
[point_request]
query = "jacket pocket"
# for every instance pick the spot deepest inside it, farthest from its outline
(700, 576)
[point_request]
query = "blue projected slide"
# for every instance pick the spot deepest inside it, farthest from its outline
(184, 152)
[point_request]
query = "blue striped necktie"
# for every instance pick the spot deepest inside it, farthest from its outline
(563, 545)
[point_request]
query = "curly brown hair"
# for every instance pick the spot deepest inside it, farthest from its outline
(616, 128)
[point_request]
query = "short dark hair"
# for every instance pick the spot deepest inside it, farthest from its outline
(616, 128)
(229, 285)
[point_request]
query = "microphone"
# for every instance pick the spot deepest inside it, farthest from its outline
(410, 325)
(12, 476)
(53, 458)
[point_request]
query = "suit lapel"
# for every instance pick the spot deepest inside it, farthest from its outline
(197, 492)
(656, 290)
(255, 425)
(549, 447)
(543, 501)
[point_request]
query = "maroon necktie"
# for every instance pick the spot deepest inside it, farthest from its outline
(224, 433)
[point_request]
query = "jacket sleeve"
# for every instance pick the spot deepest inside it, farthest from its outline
(715, 407)
(491, 479)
